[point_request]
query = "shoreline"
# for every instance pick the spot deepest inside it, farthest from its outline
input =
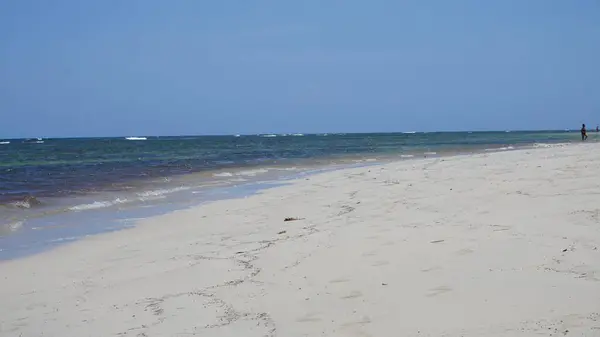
(102, 221)
(388, 151)
(119, 215)
(492, 244)
(256, 188)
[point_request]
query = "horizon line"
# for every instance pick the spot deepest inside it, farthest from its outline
(295, 133)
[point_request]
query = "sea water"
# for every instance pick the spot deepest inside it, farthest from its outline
(58, 190)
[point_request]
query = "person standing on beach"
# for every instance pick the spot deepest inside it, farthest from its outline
(583, 133)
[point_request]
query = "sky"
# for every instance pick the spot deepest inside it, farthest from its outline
(72, 68)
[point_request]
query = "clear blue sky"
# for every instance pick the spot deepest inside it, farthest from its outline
(155, 67)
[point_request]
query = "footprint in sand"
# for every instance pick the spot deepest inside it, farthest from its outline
(465, 251)
(339, 280)
(438, 291)
(309, 317)
(380, 263)
(354, 294)
(500, 228)
(371, 253)
(363, 320)
(426, 270)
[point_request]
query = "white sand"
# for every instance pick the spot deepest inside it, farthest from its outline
(503, 244)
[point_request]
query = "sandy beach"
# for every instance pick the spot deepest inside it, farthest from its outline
(496, 244)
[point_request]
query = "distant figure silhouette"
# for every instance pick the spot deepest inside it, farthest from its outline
(597, 129)
(583, 133)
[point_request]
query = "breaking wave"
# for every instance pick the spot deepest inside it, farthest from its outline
(542, 145)
(97, 205)
(160, 193)
(26, 203)
(223, 174)
(505, 148)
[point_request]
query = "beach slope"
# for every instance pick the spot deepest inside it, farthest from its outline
(499, 244)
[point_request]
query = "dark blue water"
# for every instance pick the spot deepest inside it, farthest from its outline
(46, 181)
(61, 167)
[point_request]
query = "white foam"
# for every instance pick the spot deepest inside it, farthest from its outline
(429, 153)
(160, 193)
(69, 238)
(251, 172)
(406, 156)
(135, 138)
(97, 205)
(223, 174)
(11, 227)
(269, 136)
(293, 168)
(298, 134)
(94, 205)
(542, 145)
(409, 132)
(27, 203)
(21, 204)
(15, 225)
(4, 143)
(501, 148)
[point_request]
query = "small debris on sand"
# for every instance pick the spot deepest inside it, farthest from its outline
(293, 219)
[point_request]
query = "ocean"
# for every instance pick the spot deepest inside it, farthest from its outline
(58, 190)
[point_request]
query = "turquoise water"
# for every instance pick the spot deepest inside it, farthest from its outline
(47, 182)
